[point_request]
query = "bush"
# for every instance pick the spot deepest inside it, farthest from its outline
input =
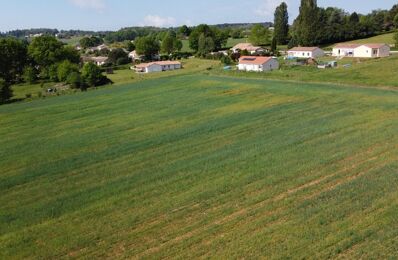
(92, 76)
(74, 79)
(65, 69)
(122, 61)
(226, 60)
(30, 75)
(5, 91)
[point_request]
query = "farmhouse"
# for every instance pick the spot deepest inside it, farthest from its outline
(251, 63)
(305, 52)
(247, 47)
(372, 50)
(158, 66)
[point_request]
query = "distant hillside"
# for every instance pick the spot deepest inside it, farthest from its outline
(242, 25)
(387, 38)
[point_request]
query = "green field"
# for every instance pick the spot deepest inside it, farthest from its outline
(387, 38)
(72, 41)
(201, 166)
(362, 72)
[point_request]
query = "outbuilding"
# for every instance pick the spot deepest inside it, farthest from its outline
(305, 52)
(259, 64)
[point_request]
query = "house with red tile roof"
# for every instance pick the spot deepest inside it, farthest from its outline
(260, 64)
(305, 52)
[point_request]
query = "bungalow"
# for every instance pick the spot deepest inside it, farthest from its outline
(375, 50)
(247, 47)
(252, 63)
(344, 50)
(305, 52)
(372, 50)
(158, 66)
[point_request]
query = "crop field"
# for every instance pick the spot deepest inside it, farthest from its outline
(201, 166)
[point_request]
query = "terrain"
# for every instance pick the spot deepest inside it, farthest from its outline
(198, 165)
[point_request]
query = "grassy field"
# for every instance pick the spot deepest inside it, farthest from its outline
(189, 66)
(72, 41)
(119, 77)
(387, 38)
(364, 72)
(201, 166)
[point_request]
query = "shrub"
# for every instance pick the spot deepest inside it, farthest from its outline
(74, 80)
(5, 91)
(226, 60)
(92, 76)
(30, 75)
(65, 69)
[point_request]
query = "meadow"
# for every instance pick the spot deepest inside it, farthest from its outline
(387, 38)
(201, 166)
(361, 72)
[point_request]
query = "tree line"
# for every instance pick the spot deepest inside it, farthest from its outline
(315, 25)
(45, 58)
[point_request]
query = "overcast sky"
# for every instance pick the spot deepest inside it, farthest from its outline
(114, 14)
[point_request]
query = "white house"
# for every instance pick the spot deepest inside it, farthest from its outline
(134, 56)
(344, 49)
(158, 66)
(305, 52)
(377, 50)
(247, 47)
(372, 50)
(99, 61)
(99, 48)
(252, 63)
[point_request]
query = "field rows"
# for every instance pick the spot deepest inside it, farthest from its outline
(201, 166)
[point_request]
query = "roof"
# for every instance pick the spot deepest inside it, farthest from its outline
(160, 63)
(99, 59)
(304, 49)
(253, 60)
(375, 45)
(246, 46)
(354, 46)
(94, 59)
(347, 45)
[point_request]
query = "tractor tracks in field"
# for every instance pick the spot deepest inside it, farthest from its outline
(329, 183)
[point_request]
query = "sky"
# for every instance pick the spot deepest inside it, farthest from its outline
(115, 14)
